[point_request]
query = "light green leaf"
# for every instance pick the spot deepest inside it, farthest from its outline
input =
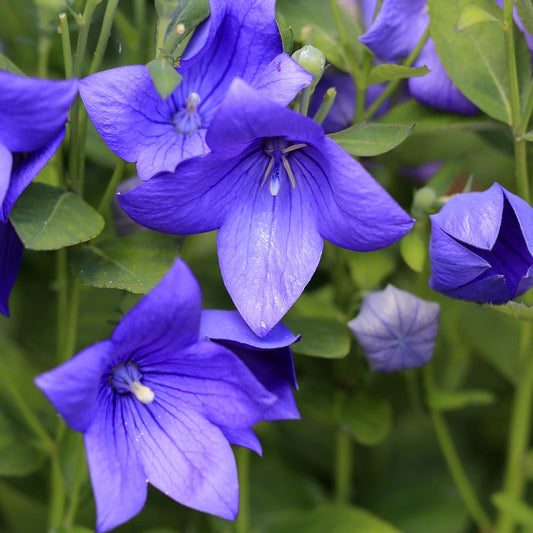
(475, 59)
(165, 77)
(516, 309)
(321, 337)
(366, 418)
(524, 9)
(369, 269)
(413, 248)
(518, 510)
(334, 519)
(451, 400)
(135, 263)
(49, 218)
(7, 64)
(371, 139)
(472, 14)
(383, 73)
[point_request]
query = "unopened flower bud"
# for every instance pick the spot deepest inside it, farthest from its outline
(311, 59)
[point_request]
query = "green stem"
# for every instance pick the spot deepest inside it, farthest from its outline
(520, 430)
(242, 523)
(66, 45)
(325, 106)
(305, 99)
(343, 467)
(58, 494)
(338, 20)
(105, 31)
(139, 12)
(392, 86)
(43, 51)
(29, 418)
(528, 109)
(74, 495)
(105, 202)
(453, 461)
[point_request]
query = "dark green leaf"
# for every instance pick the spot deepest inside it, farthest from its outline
(165, 77)
(321, 337)
(135, 263)
(475, 59)
(366, 418)
(383, 73)
(451, 400)
(525, 12)
(371, 139)
(334, 519)
(472, 14)
(48, 218)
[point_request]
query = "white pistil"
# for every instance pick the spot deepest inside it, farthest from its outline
(143, 393)
(192, 101)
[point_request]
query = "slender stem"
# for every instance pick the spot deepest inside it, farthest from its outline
(391, 87)
(71, 325)
(520, 430)
(242, 523)
(105, 202)
(343, 467)
(305, 99)
(57, 494)
(338, 20)
(453, 461)
(31, 421)
(66, 45)
(139, 12)
(522, 183)
(105, 31)
(325, 106)
(43, 51)
(74, 495)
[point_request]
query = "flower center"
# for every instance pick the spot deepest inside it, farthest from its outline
(277, 150)
(187, 120)
(126, 377)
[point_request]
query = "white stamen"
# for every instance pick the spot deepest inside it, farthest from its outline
(285, 162)
(143, 393)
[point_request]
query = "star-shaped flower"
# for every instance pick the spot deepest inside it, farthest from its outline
(275, 187)
(140, 126)
(396, 330)
(481, 246)
(159, 403)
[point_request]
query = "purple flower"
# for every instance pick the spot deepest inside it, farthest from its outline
(481, 246)
(160, 404)
(396, 31)
(140, 126)
(33, 114)
(275, 187)
(396, 330)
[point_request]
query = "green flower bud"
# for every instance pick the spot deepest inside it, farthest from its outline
(311, 59)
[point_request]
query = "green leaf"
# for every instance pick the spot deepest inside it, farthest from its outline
(383, 73)
(334, 519)
(475, 59)
(451, 400)
(516, 509)
(516, 309)
(134, 263)
(371, 139)
(369, 269)
(285, 30)
(321, 337)
(7, 64)
(528, 136)
(413, 248)
(366, 418)
(524, 9)
(72, 529)
(165, 77)
(472, 14)
(49, 218)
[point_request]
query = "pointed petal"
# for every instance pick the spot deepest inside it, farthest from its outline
(27, 170)
(397, 28)
(72, 388)
(186, 457)
(6, 164)
(268, 248)
(10, 259)
(492, 290)
(524, 216)
(209, 379)
(193, 200)
(33, 111)
(473, 218)
(230, 326)
(282, 79)
(436, 89)
(355, 211)
(168, 317)
(246, 438)
(246, 116)
(117, 475)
